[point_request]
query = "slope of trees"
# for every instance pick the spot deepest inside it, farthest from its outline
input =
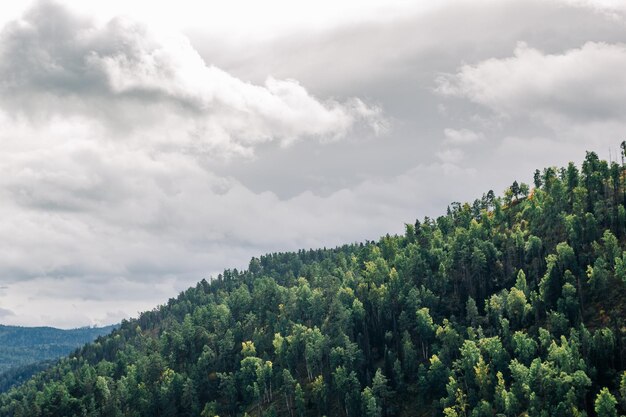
(509, 306)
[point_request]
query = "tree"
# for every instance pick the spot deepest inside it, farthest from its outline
(524, 189)
(370, 406)
(299, 398)
(209, 410)
(449, 339)
(437, 377)
(605, 404)
(381, 390)
(620, 268)
(314, 351)
(264, 378)
(318, 389)
(516, 306)
(515, 189)
(470, 357)
(289, 390)
(598, 276)
(425, 329)
(568, 304)
(409, 355)
(502, 398)
(483, 377)
(537, 179)
(251, 368)
(248, 349)
(572, 176)
(520, 282)
(471, 311)
(348, 385)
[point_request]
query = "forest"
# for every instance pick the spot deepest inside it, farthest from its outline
(511, 305)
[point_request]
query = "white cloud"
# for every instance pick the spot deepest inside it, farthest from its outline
(579, 85)
(240, 19)
(131, 80)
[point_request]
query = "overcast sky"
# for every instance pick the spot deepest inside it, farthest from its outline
(146, 146)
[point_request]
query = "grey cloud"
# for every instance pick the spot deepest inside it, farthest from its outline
(5, 313)
(359, 57)
(124, 76)
(396, 64)
(462, 136)
(101, 259)
(114, 194)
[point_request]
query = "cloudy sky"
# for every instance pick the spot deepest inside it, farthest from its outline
(146, 146)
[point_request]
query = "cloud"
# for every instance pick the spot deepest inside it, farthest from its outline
(584, 84)
(462, 136)
(450, 156)
(125, 168)
(130, 80)
(170, 224)
(5, 313)
(109, 134)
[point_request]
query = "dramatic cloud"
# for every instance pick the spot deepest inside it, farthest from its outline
(55, 64)
(108, 135)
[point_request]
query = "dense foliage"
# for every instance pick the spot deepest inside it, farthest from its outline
(509, 306)
(26, 350)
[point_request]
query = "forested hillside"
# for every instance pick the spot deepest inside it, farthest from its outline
(507, 306)
(26, 350)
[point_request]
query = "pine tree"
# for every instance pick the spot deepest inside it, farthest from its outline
(605, 404)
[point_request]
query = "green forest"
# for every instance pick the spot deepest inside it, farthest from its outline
(511, 305)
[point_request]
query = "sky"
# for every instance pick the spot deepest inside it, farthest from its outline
(147, 145)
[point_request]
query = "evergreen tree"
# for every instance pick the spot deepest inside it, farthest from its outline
(605, 403)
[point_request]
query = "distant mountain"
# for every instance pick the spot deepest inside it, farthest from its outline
(27, 350)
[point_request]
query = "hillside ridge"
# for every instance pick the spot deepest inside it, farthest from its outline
(511, 305)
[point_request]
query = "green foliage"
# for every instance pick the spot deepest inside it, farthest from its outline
(508, 307)
(605, 404)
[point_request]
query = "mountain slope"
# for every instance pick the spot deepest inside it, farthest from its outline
(22, 349)
(512, 305)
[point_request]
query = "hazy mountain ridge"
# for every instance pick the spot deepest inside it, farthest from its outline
(25, 350)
